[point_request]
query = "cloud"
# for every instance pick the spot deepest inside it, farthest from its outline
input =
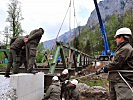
(48, 14)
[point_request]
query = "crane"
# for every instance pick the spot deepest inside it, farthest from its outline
(107, 53)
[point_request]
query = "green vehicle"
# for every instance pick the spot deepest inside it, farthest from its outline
(3, 55)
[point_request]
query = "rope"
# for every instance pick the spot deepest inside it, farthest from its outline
(127, 71)
(126, 82)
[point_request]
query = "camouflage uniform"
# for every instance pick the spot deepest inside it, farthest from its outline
(53, 92)
(23, 58)
(9, 65)
(62, 79)
(10, 59)
(16, 49)
(72, 92)
(123, 60)
(33, 40)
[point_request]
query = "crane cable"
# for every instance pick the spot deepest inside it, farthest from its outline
(60, 28)
(62, 24)
(70, 30)
(75, 19)
(69, 52)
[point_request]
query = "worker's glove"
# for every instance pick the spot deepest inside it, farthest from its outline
(100, 70)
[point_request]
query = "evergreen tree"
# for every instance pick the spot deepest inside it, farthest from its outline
(112, 26)
(76, 43)
(128, 19)
(87, 48)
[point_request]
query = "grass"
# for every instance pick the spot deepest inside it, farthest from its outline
(94, 82)
(3, 65)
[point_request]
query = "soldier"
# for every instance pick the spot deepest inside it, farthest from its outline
(31, 45)
(63, 77)
(16, 50)
(121, 68)
(73, 92)
(54, 90)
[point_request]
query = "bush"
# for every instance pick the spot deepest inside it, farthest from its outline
(39, 58)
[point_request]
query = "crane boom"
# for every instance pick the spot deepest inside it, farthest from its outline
(107, 51)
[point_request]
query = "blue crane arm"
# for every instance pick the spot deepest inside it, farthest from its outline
(106, 45)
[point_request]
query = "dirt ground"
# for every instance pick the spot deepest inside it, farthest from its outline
(95, 92)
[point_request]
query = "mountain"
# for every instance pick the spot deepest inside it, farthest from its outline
(107, 8)
(65, 38)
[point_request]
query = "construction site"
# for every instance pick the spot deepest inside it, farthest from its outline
(89, 65)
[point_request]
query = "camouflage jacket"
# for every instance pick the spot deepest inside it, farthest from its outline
(53, 92)
(35, 36)
(73, 94)
(123, 60)
(12, 40)
(18, 43)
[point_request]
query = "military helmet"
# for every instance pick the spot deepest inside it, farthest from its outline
(123, 31)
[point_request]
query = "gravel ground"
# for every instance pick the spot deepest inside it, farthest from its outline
(6, 92)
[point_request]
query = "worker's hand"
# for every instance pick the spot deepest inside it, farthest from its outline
(100, 70)
(25, 40)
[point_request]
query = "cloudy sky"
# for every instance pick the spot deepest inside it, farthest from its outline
(48, 14)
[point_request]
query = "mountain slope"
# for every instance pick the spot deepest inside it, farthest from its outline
(65, 38)
(108, 8)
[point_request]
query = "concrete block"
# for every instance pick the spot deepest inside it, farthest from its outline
(28, 86)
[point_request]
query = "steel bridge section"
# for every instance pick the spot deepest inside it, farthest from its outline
(78, 59)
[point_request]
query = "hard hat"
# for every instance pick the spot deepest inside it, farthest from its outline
(65, 71)
(55, 78)
(123, 31)
(75, 82)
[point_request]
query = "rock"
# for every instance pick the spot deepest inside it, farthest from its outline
(82, 87)
(108, 8)
(92, 93)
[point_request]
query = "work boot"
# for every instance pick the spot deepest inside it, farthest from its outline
(7, 75)
(34, 72)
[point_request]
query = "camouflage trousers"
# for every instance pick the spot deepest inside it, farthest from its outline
(10, 62)
(16, 59)
(31, 56)
(120, 91)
